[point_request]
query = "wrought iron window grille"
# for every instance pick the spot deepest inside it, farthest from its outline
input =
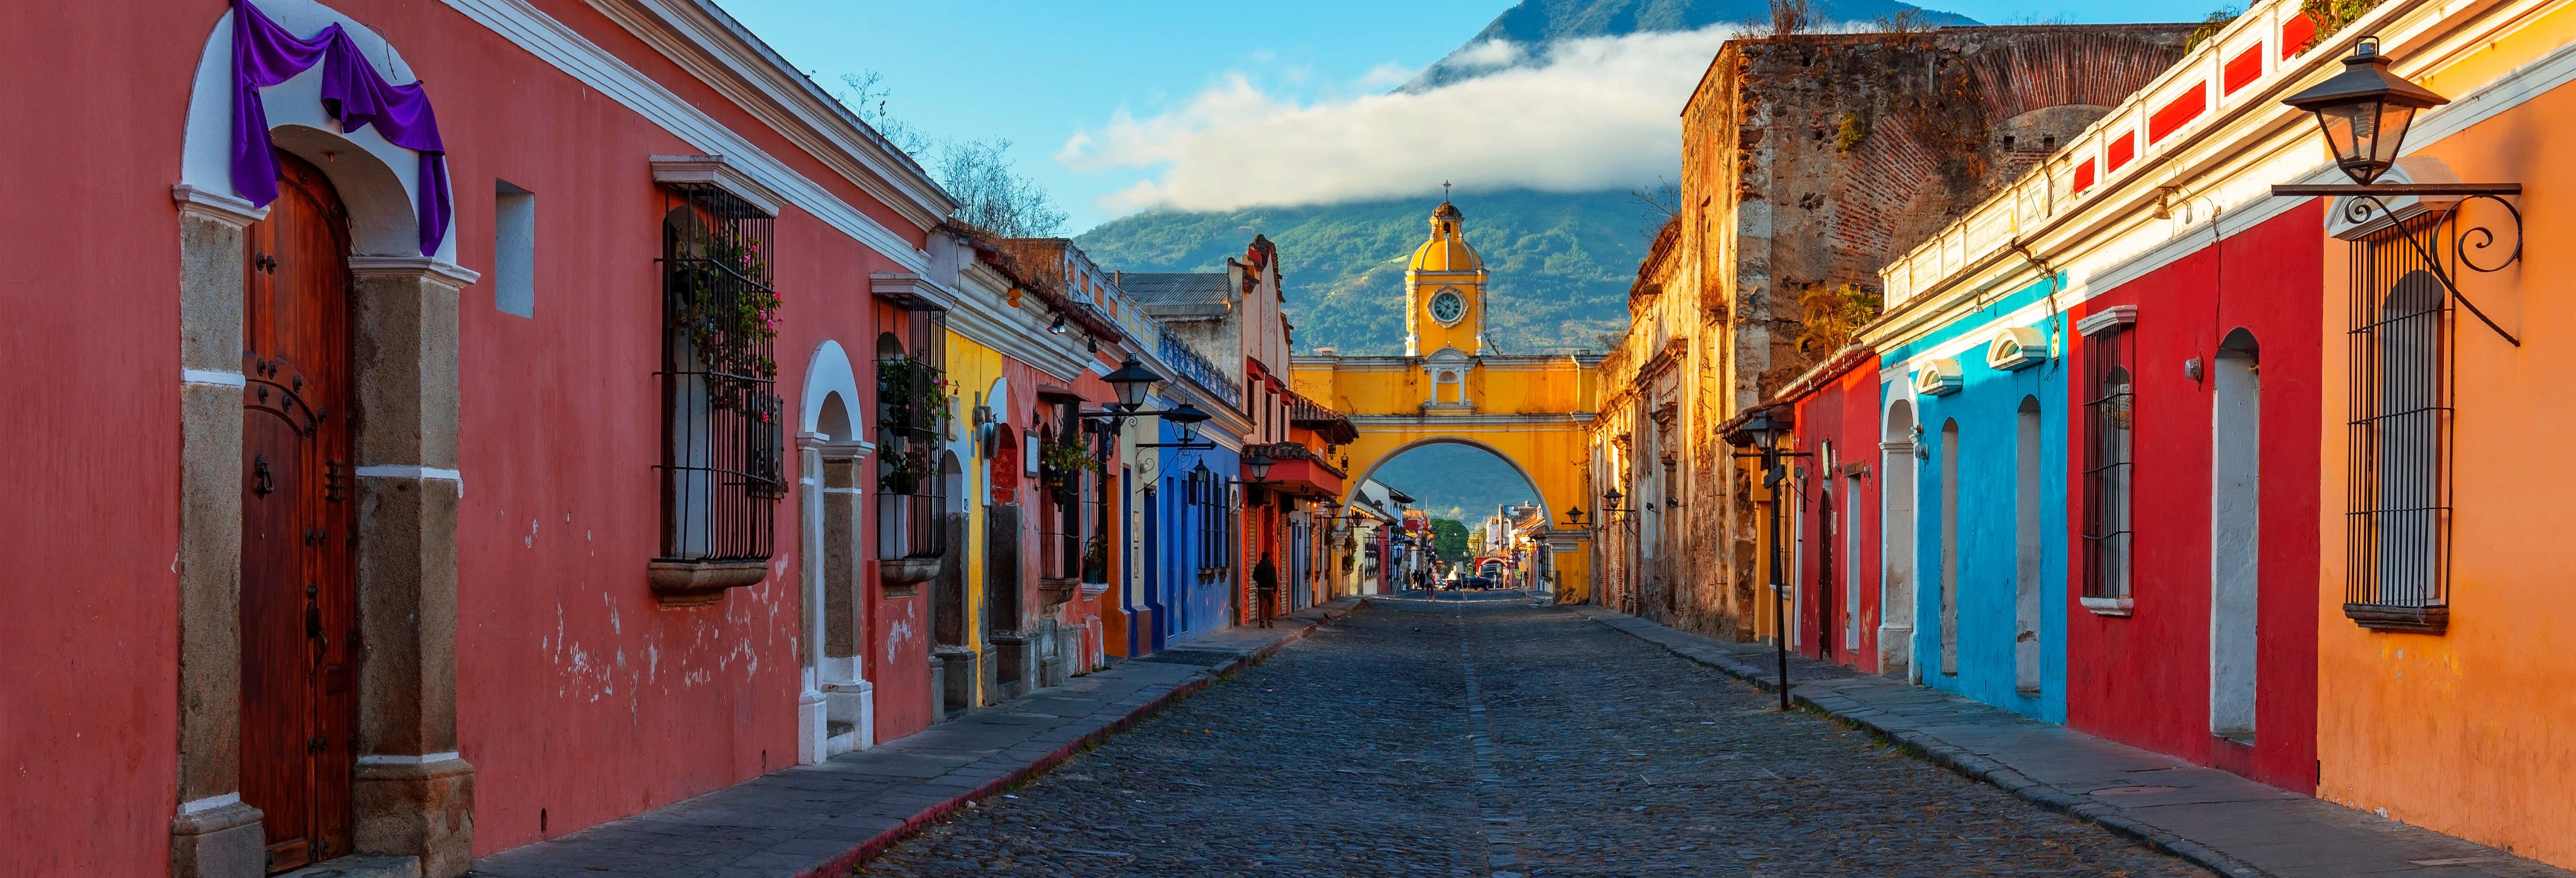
(723, 439)
(2110, 430)
(2397, 522)
(914, 409)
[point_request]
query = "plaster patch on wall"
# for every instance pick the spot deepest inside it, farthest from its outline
(899, 632)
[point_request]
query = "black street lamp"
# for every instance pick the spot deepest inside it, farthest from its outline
(2365, 110)
(2364, 113)
(1259, 466)
(1185, 419)
(1132, 380)
(1763, 434)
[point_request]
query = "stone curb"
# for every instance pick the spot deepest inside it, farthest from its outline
(841, 866)
(1950, 756)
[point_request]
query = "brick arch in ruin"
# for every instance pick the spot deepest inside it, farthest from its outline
(2032, 88)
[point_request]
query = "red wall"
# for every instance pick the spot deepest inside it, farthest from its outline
(1844, 413)
(88, 717)
(2144, 680)
(579, 696)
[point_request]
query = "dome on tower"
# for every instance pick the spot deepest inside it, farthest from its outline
(1447, 249)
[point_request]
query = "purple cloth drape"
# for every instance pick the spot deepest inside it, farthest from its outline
(264, 54)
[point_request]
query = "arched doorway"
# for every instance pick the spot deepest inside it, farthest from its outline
(397, 761)
(1897, 500)
(298, 562)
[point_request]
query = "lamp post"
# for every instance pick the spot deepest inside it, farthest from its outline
(1763, 434)
(2364, 113)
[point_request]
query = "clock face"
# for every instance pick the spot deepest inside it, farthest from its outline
(1447, 306)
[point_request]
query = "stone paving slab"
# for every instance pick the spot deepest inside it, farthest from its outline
(813, 821)
(2220, 821)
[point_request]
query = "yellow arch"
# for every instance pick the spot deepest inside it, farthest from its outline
(1530, 411)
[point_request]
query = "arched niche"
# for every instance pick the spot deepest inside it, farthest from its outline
(829, 379)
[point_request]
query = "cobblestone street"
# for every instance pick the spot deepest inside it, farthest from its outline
(1487, 737)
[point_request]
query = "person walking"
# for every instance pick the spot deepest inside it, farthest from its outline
(1265, 586)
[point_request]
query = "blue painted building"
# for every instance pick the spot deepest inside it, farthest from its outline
(1985, 394)
(1189, 579)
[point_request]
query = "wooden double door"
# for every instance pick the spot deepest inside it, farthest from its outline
(299, 496)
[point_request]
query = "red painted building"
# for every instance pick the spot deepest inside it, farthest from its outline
(2209, 651)
(1834, 408)
(533, 619)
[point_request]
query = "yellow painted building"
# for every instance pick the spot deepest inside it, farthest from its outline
(1449, 387)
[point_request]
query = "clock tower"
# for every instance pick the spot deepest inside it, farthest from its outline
(1444, 291)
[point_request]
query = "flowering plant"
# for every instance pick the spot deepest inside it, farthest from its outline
(730, 315)
(1066, 458)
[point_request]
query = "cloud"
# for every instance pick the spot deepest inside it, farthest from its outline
(1490, 53)
(1579, 115)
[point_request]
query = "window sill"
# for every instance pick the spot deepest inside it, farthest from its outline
(2384, 617)
(2110, 606)
(698, 583)
(905, 573)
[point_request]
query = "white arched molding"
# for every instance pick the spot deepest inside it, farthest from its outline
(412, 793)
(829, 372)
(205, 160)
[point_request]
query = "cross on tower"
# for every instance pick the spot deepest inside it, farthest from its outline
(1444, 190)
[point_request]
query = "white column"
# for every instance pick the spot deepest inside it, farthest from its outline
(812, 729)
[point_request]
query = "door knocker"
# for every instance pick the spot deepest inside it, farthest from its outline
(259, 470)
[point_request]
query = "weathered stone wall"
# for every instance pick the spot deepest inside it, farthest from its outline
(1808, 161)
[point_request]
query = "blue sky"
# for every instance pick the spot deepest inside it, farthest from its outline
(1166, 94)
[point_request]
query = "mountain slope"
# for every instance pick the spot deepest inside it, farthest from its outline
(1560, 263)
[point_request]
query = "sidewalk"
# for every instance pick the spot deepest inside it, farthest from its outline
(2218, 820)
(819, 820)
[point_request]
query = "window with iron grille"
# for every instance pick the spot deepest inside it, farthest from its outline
(1215, 521)
(1103, 525)
(913, 411)
(2110, 430)
(722, 436)
(1066, 468)
(2397, 499)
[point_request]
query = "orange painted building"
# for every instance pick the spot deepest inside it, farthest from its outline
(2443, 634)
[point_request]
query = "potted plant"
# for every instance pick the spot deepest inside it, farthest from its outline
(1058, 463)
(912, 400)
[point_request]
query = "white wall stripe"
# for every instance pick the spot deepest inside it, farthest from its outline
(212, 378)
(209, 803)
(406, 471)
(397, 759)
(554, 43)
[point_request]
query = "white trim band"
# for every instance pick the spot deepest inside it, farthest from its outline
(407, 471)
(396, 759)
(210, 803)
(212, 378)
